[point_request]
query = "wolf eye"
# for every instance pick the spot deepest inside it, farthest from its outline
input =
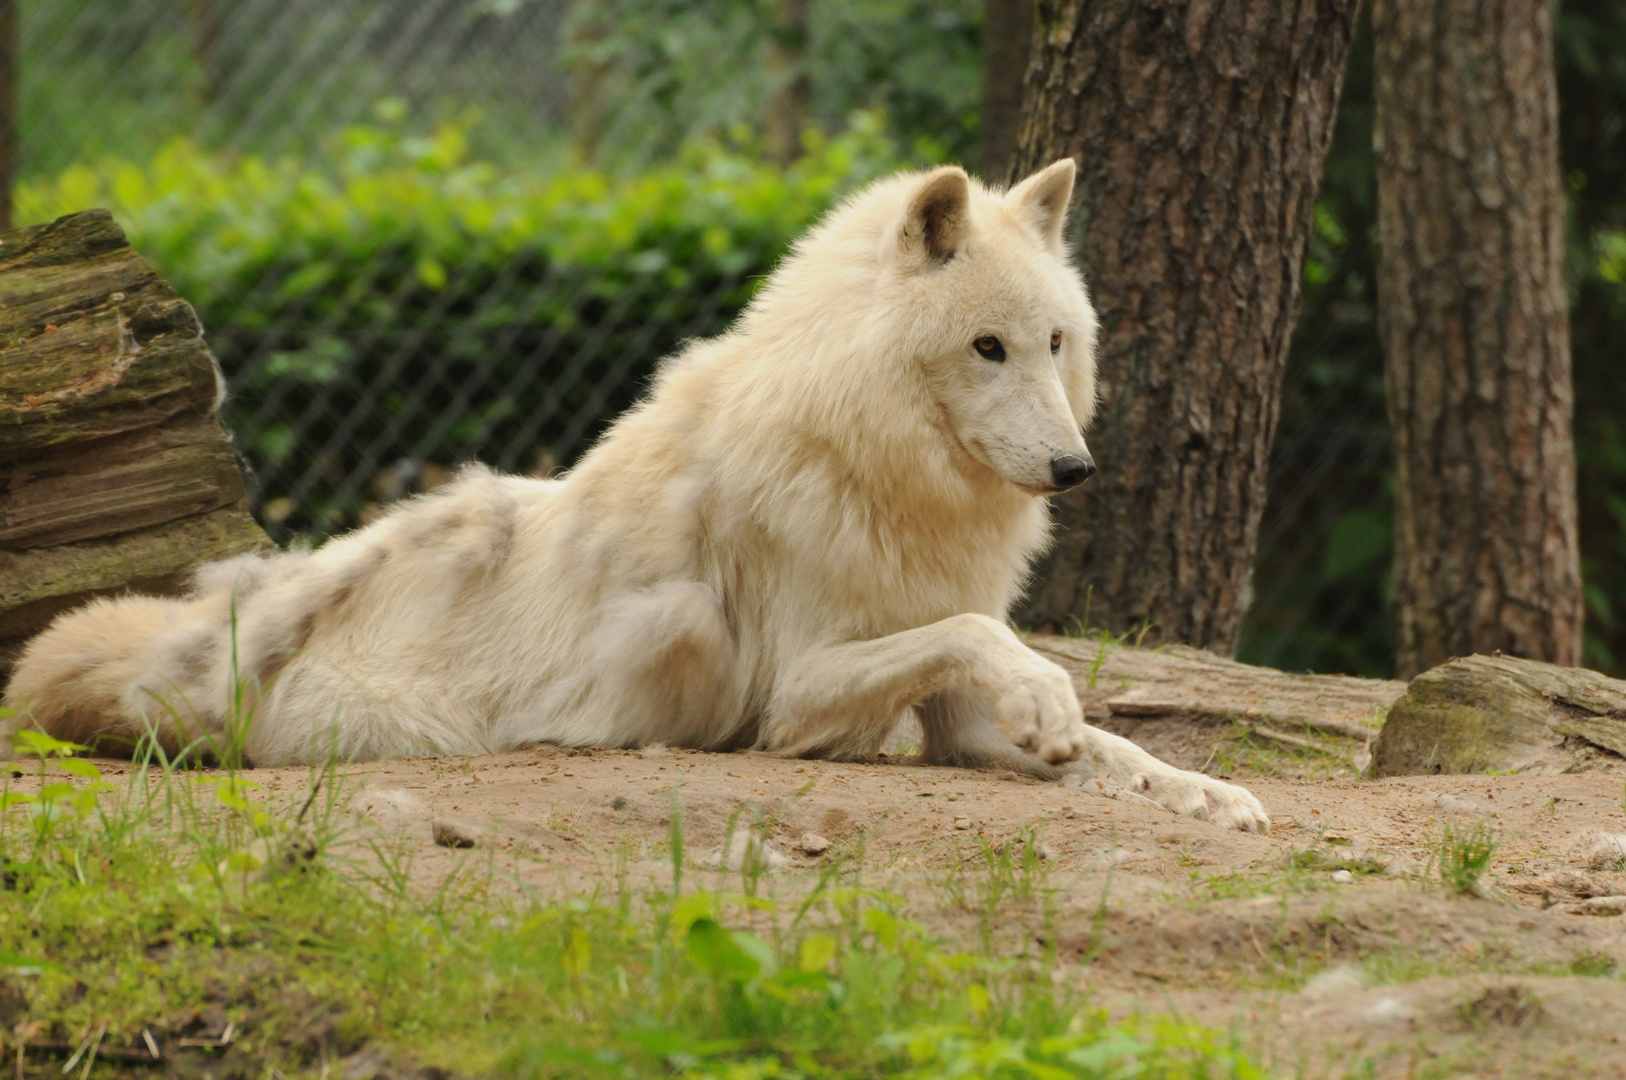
(1055, 342)
(989, 348)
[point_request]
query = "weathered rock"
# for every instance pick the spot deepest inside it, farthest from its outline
(450, 832)
(1600, 851)
(812, 843)
(114, 472)
(1598, 905)
(1497, 713)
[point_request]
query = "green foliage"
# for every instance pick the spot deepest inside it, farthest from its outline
(438, 305)
(66, 110)
(653, 75)
(185, 893)
(56, 800)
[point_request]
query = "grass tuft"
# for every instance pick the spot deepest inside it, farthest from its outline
(1462, 858)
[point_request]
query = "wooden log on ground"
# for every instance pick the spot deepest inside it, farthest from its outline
(1497, 714)
(1177, 682)
(115, 473)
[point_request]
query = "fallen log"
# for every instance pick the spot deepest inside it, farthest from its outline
(115, 473)
(1500, 714)
(1178, 682)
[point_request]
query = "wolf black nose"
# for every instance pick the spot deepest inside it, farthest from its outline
(1070, 470)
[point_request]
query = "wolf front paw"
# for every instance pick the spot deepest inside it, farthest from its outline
(1038, 710)
(1196, 795)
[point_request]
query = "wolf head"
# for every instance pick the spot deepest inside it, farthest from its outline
(934, 324)
(1003, 332)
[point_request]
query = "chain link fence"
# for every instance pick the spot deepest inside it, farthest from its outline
(364, 368)
(350, 392)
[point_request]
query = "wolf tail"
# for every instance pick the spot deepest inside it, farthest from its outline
(73, 680)
(178, 670)
(197, 667)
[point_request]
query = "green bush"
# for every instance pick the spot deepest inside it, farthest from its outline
(392, 299)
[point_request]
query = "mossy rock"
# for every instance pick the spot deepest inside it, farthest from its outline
(1482, 714)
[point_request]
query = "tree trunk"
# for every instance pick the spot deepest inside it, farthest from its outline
(787, 112)
(1472, 314)
(114, 472)
(1200, 130)
(9, 55)
(1007, 36)
(205, 20)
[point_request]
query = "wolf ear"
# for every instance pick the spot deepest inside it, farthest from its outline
(939, 215)
(1042, 199)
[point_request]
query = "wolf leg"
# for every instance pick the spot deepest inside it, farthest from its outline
(662, 656)
(960, 730)
(986, 700)
(838, 699)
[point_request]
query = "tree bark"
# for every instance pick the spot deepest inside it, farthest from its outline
(1472, 314)
(1007, 36)
(1200, 127)
(114, 472)
(788, 109)
(205, 20)
(9, 55)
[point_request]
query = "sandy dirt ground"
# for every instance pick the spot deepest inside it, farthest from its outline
(1144, 911)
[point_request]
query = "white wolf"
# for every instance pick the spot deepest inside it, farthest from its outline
(814, 524)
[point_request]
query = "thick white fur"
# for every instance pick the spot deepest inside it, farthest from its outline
(812, 525)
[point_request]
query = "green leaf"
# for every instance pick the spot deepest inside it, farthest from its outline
(431, 272)
(719, 954)
(41, 745)
(79, 767)
(577, 953)
(54, 792)
(816, 952)
(688, 909)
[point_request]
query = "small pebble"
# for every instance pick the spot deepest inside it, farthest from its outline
(618, 803)
(455, 834)
(812, 843)
(962, 823)
(1343, 877)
